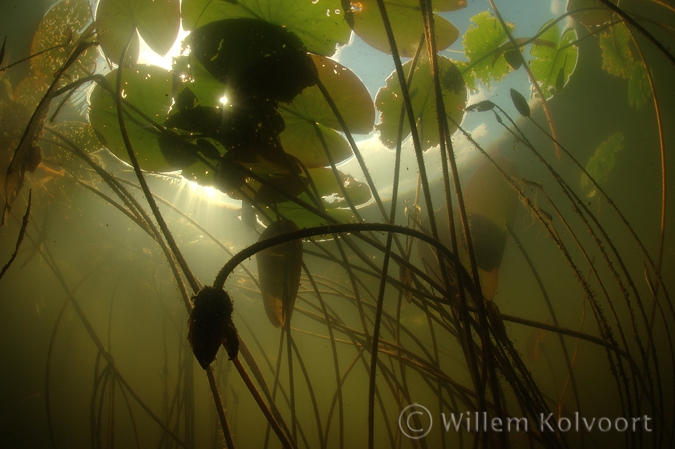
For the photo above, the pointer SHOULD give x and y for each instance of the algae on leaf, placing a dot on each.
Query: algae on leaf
(61, 27)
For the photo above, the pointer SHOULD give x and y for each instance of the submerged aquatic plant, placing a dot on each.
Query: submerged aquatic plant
(513, 227)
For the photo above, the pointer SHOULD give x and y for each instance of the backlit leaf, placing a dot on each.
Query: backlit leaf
(148, 88)
(246, 54)
(157, 21)
(320, 25)
(617, 57)
(552, 65)
(406, 21)
(300, 139)
(389, 101)
(588, 16)
(347, 91)
(481, 41)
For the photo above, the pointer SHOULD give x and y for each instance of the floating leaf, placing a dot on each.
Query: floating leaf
(520, 103)
(639, 90)
(157, 21)
(208, 90)
(150, 90)
(352, 99)
(320, 25)
(63, 18)
(617, 57)
(481, 41)
(301, 140)
(406, 21)
(588, 16)
(245, 54)
(389, 101)
(347, 91)
(602, 162)
(330, 192)
(279, 272)
(210, 325)
(552, 65)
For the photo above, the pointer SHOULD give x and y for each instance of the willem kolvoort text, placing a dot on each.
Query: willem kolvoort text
(481, 422)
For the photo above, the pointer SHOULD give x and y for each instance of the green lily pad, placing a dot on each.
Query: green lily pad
(62, 25)
(300, 139)
(389, 102)
(330, 191)
(587, 16)
(617, 57)
(347, 91)
(320, 25)
(148, 88)
(602, 162)
(157, 21)
(554, 58)
(406, 21)
(481, 42)
(208, 90)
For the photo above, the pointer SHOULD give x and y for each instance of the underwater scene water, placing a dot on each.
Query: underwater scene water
(332, 224)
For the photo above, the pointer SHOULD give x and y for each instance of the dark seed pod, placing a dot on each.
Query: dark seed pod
(210, 325)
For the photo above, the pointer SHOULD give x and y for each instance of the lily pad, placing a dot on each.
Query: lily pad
(208, 90)
(347, 91)
(552, 65)
(254, 58)
(389, 101)
(406, 21)
(591, 13)
(617, 57)
(62, 25)
(301, 140)
(157, 21)
(330, 191)
(148, 88)
(481, 42)
(602, 162)
(320, 25)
